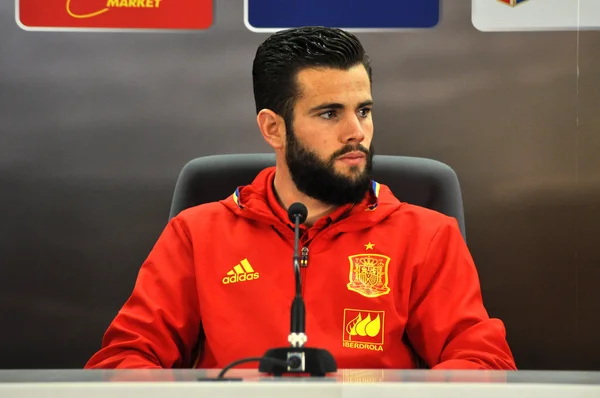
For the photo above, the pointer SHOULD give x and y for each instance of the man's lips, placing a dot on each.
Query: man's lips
(352, 155)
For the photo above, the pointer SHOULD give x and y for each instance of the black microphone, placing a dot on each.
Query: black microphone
(298, 358)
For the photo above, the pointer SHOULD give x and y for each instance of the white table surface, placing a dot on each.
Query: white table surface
(345, 383)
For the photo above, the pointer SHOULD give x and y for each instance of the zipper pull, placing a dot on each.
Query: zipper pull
(304, 259)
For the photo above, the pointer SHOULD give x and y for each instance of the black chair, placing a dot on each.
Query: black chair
(419, 181)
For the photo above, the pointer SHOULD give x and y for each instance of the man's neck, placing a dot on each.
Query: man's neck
(287, 193)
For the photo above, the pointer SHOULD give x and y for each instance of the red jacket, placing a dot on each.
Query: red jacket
(383, 281)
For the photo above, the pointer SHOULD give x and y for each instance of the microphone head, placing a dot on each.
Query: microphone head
(297, 209)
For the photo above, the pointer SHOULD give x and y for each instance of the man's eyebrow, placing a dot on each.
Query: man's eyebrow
(337, 105)
(330, 105)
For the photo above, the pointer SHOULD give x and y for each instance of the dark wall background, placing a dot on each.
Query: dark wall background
(95, 127)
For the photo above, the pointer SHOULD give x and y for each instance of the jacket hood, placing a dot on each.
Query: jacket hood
(252, 202)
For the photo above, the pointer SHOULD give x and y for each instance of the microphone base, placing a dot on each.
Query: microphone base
(314, 361)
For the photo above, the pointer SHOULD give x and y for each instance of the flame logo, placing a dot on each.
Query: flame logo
(363, 327)
(81, 16)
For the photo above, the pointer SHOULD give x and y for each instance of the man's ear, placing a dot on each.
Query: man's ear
(272, 128)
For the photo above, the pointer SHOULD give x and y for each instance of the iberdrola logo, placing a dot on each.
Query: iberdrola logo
(114, 14)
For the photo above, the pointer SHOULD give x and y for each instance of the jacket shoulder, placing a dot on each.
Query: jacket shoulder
(423, 219)
(204, 214)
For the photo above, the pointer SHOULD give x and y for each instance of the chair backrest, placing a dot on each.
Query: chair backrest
(419, 181)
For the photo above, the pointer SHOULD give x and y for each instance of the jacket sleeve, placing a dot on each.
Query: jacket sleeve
(159, 325)
(448, 325)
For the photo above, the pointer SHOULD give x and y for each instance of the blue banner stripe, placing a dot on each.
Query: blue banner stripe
(359, 14)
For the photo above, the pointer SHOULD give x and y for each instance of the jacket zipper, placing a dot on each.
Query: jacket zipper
(304, 258)
(303, 265)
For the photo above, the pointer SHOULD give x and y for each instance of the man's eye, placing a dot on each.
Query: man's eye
(327, 115)
(364, 112)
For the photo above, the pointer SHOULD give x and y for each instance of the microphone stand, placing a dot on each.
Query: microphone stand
(299, 359)
(297, 336)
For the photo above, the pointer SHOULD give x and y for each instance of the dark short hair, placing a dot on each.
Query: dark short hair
(279, 59)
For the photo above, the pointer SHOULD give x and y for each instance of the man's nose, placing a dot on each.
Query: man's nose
(353, 130)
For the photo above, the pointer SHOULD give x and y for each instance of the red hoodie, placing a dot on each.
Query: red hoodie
(382, 280)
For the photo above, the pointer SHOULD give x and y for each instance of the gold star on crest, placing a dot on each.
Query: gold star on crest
(369, 246)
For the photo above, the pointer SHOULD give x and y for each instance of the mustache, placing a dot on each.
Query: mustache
(349, 148)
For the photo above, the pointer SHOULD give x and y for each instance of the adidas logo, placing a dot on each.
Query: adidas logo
(240, 273)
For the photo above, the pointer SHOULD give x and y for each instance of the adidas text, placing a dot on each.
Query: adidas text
(240, 278)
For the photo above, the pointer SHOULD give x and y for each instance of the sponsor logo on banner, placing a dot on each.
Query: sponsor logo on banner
(369, 274)
(535, 15)
(114, 14)
(363, 330)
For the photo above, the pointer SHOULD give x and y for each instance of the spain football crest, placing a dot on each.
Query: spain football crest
(369, 274)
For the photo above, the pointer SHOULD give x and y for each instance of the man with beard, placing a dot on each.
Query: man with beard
(385, 283)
